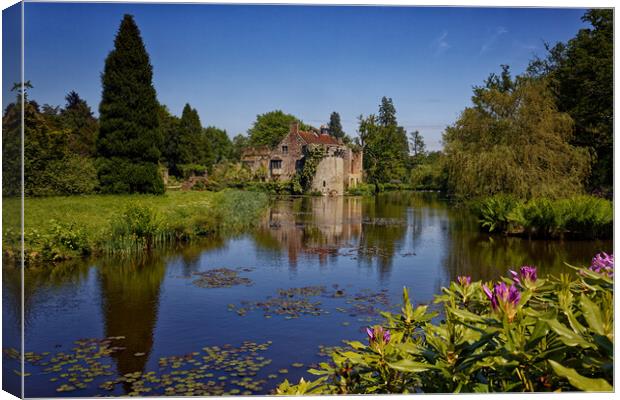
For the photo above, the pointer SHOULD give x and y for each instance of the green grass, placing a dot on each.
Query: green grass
(58, 228)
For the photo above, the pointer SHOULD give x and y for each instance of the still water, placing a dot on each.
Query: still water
(360, 251)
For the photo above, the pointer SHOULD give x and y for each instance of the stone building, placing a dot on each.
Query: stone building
(339, 170)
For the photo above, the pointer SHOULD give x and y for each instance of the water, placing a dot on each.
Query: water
(356, 246)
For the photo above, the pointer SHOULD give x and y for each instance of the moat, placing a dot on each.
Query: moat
(238, 315)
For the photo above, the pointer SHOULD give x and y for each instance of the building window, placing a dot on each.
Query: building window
(304, 149)
(284, 149)
(276, 164)
(323, 183)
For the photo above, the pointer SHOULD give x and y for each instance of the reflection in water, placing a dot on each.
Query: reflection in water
(377, 243)
(130, 300)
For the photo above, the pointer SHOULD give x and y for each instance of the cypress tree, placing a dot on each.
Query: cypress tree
(130, 138)
(335, 127)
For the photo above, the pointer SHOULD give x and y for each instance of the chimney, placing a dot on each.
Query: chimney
(324, 130)
(295, 127)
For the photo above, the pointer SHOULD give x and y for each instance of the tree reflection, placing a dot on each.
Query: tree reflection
(130, 300)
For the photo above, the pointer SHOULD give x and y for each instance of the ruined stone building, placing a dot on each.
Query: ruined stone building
(339, 170)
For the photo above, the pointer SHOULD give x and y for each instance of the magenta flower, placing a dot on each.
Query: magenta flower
(603, 263)
(464, 280)
(377, 334)
(526, 275)
(504, 298)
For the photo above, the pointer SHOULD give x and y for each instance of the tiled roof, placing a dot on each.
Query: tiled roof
(313, 138)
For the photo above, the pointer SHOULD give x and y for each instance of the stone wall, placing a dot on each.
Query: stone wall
(329, 176)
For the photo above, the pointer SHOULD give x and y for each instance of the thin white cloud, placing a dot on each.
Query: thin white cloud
(440, 44)
(492, 39)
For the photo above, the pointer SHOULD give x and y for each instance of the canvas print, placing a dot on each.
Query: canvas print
(219, 199)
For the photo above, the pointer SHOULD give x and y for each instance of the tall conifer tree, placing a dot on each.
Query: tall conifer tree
(335, 127)
(130, 139)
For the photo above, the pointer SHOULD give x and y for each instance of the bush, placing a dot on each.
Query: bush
(118, 175)
(495, 213)
(524, 334)
(69, 176)
(138, 225)
(362, 189)
(576, 217)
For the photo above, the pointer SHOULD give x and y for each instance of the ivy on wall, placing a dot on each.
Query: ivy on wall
(302, 181)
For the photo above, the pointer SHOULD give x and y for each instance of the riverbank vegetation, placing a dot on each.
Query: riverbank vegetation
(522, 334)
(579, 216)
(58, 228)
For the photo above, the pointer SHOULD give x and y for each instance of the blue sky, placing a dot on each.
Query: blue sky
(234, 62)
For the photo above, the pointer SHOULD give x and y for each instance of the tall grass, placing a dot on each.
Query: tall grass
(59, 228)
(583, 217)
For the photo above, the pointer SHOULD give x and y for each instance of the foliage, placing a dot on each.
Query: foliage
(417, 144)
(228, 174)
(66, 227)
(495, 214)
(71, 175)
(513, 140)
(139, 225)
(78, 119)
(428, 172)
(130, 137)
(221, 146)
(335, 127)
(524, 334)
(239, 143)
(575, 217)
(302, 181)
(385, 145)
(119, 175)
(270, 128)
(362, 189)
(581, 76)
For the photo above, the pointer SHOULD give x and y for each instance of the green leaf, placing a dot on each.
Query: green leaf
(581, 382)
(409, 366)
(466, 315)
(592, 314)
(356, 345)
(568, 337)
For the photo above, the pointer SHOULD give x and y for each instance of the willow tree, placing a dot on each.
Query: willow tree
(130, 137)
(514, 140)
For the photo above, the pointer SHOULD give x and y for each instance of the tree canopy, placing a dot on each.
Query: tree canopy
(270, 128)
(580, 74)
(130, 137)
(335, 127)
(513, 140)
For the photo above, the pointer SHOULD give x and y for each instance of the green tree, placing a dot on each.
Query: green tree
(193, 146)
(170, 126)
(417, 145)
(387, 112)
(581, 76)
(78, 119)
(335, 127)
(513, 140)
(130, 139)
(270, 128)
(239, 143)
(220, 143)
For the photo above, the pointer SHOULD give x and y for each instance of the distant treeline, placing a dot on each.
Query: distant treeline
(545, 133)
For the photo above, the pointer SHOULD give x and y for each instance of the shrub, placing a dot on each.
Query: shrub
(118, 175)
(523, 334)
(362, 189)
(139, 226)
(71, 175)
(577, 217)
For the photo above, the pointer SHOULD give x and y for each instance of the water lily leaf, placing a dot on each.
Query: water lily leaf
(581, 382)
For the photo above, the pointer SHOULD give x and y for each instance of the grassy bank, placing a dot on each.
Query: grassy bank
(58, 228)
(578, 217)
